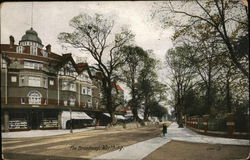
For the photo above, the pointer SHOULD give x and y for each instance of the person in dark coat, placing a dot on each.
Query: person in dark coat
(164, 129)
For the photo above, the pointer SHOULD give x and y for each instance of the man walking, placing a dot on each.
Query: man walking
(164, 129)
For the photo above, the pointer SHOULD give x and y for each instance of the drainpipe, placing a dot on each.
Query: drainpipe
(79, 92)
(58, 88)
(47, 103)
(6, 87)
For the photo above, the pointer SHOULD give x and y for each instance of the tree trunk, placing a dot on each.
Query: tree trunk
(146, 113)
(228, 93)
(109, 104)
(146, 109)
(209, 83)
(135, 113)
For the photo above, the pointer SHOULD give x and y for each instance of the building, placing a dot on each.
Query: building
(40, 88)
(118, 95)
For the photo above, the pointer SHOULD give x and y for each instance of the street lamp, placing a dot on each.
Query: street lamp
(71, 129)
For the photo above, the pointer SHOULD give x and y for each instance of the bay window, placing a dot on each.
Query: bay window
(34, 81)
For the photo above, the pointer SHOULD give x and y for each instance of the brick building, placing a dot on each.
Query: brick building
(39, 87)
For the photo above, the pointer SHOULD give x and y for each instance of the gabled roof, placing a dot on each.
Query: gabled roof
(82, 67)
(65, 58)
(119, 87)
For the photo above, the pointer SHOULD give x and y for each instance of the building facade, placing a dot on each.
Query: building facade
(39, 86)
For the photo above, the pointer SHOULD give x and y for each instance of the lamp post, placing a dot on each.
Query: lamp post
(71, 129)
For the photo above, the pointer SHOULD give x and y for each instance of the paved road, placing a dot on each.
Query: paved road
(81, 145)
(43, 133)
(140, 150)
(102, 144)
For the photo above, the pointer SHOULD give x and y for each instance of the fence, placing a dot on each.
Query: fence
(231, 126)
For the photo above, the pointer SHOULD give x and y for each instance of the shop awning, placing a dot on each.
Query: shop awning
(120, 117)
(116, 116)
(75, 115)
(140, 116)
(107, 114)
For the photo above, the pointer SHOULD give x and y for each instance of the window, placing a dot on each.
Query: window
(64, 85)
(89, 91)
(13, 79)
(68, 70)
(72, 101)
(34, 81)
(72, 87)
(51, 82)
(21, 81)
(33, 50)
(65, 103)
(34, 97)
(33, 65)
(19, 49)
(22, 101)
(4, 64)
(68, 86)
(84, 90)
(45, 82)
(90, 102)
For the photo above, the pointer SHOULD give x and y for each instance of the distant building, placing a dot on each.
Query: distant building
(39, 86)
(118, 97)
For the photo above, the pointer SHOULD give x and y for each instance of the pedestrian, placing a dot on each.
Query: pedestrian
(164, 129)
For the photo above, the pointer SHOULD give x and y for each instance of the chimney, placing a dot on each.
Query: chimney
(12, 41)
(48, 48)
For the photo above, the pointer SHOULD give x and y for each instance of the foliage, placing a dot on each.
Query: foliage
(225, 21)
(211, 45)
(157, 110)
(94, 35)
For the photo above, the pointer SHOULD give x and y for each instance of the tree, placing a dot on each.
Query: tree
(228, 20)
(182, 76)
(135, 59)
(152, 91)
(94, 35)
(157, 110)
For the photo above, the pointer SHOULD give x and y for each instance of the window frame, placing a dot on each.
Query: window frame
(36, 98)
(13, 79)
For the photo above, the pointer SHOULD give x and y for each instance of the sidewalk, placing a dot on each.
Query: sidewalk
(41, 133)
(140, 150)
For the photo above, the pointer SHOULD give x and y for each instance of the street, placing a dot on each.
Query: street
(141, 143)
(63, 146)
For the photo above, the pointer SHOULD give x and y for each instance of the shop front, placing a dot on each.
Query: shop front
(30, 119)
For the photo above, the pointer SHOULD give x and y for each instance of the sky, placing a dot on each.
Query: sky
(51, 18)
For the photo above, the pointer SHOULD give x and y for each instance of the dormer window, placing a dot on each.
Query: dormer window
(68, 70)
(19, 49)
(33, 50)
(45, 54)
